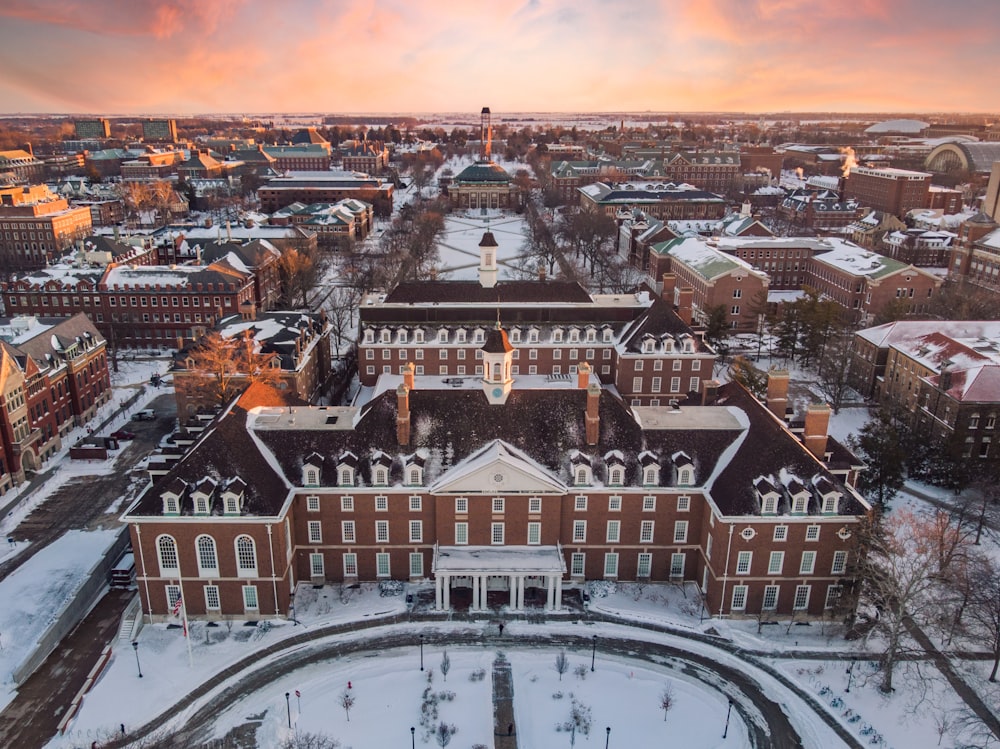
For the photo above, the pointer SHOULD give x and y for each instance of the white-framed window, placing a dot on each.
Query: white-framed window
(808, 563)
(461, 534)
(496, 533)
(614, 531)
(780, 532)
(246, 557)
(812, 533)
(677, 564)
(382, 564)
(534, 505)
(800, 504)
(801, 601)
(611, 564)
(644, 566)
(770, 601)
(694, 384)
(577, 563)
(649, 503)
(250, 602)
(580, 531)
(350, 564)
(680, 531)
(677, 365)
(461, 505)
(208, 558)
(212, 600)
(616, 476)
(416, 564)
(347, 504)
(347, 531)
(683, 504)
(534, 533)
(832, 596)
(650, 475)
(414, 475)
(498, 505)
(614, 503)
(775, 562)
(675, 384)
(381, 503)
(166, 552)
(646, 532)
(381, 476)
(315, 532)
(416, 503)
(580, 504)
(346, 476)
(839, 565)
(739, 598)
(173, 593)
(416, 531)
(743, 561)
(684, 476)
(637, 384)
(656, 384)
(382, 531)
(317, 567)
(312, 504)
(769, 504)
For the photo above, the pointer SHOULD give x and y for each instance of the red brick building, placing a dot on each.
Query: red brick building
(662, 200)
(894, 191)
(325, 187)
(36, 226)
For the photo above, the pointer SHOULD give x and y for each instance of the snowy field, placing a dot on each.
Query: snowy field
(458, 246)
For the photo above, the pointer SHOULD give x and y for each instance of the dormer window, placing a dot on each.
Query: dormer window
(369, 336)
(345, 476)
(479, 336)
(831, 503)
(443, 336)
(574, 335)
(418, 336)
(231, 503)
(311, 476)
(608, 332)
(650, 475)
(533, 335)
(200, 504)
(402, 336)
(668, 345)
(582, 476)
(616, 476)
(380, 477)
(557, 335)
(688, 346)
(171, 505)
(684, 477)
(460, 335)
(800, 503)
(515, 335)
(769, 504)
(591, 335)
(648, 346)
(386, 335)
(414, 475)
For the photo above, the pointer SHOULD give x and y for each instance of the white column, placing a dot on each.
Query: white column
(513, 591)
(475, 592)
(559, 593)
(520, 593)
(437, 592)
(550, 592)
(446, 586)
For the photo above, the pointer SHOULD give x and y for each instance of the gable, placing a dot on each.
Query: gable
(498, 468)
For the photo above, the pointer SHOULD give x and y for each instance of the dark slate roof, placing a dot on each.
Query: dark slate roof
(483, 171)
(253, 254)
(98, 243)
(472, 292)
(657, 320)
(497, 342)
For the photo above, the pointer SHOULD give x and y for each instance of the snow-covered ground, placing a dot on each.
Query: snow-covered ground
(458, 246)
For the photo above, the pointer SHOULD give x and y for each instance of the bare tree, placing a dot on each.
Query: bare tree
(667, 701)
(443, 734)
(833, 368)
(984, 604)
(346, 701)
(562, 664)
(340, 305)
(300, 269)
(218, 369)
(309, 741)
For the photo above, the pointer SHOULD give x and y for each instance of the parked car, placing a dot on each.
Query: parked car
(146, 414)
(122, 434)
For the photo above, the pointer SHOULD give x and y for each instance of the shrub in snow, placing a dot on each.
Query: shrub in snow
(389, 588)
(601, 588)
(478, 675)
(580, 672)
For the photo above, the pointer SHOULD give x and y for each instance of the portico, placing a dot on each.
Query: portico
(492, 568)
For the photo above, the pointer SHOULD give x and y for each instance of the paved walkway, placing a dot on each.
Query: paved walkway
(504, 736)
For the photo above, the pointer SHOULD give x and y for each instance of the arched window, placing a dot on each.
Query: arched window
(616, 476)
(346, 476)
(166, 552)
(312, 477)
(246, 557)
(381, 477)
(684, 476)
(208, 559)
(414, 473)
(581, 475)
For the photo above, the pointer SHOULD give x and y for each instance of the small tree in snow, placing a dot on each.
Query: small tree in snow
(443, 734)
(562, 664)
(347, 702)
(445, 665)
(666, 701)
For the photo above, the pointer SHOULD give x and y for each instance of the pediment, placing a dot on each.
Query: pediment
(496, 469)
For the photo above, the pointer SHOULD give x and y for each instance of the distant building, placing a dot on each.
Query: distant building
(20, 165)
(656, 199)
(368, 156)
(96, 128)
(894, 191)
(159, 130)
(920, 247)
(300, 158)
(335, 224)
(325, 187)
(969, 156)
(37, 225)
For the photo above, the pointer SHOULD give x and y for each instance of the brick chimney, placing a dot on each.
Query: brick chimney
(408, 376)
(403, 415)
(709, 392)
(583, 375)
(593, 417)
(669, 282)
(541, 271)
(815, 434)
(685, 304)
(777, 392)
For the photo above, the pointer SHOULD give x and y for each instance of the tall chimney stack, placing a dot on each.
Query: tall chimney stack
(403, 415)
(583, 375)
(593, 417)
(409, 376)
(777, 392)
(817, 424)
(685, 304)
(669, 282)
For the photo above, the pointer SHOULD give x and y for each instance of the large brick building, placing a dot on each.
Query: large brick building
(894, 191)
(53, 377)
(656, 199)
(504, 491)
(325, 187)
(36, 225)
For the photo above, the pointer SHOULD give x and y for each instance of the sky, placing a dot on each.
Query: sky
(389, 56)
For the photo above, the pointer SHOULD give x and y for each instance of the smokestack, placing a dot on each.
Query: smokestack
(403, 415)
(817, 424)
(685, 304)
(409, 372)
(583, 375)
(777, 392)
(593, 417)
(669, 282)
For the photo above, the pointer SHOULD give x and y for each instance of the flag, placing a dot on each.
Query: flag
(177, 605)
(298, 693)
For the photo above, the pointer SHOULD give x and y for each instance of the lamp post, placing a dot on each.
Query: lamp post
(593, 652)
(413, 741)
(135, 647)
(291, 607)
(421, 652)
(288, 706)
(607, 736)
(729, 710)
(850, 673)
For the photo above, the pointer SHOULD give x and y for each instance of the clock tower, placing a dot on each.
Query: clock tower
(497, 357)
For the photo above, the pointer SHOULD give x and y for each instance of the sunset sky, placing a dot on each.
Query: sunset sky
(374, 56)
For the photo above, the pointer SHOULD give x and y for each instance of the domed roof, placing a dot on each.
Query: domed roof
(483, 171)
(909, 127)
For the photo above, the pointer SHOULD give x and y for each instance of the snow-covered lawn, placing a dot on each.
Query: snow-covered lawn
(458, 245)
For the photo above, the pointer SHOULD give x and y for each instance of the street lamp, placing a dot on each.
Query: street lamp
(135, 647)
(850, 673)
(413, 741)
(607, 736)
(728, 711)
(421, 652)
(288, 706)
(593, 652)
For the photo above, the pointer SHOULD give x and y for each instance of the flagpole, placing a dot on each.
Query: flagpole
(187, 633)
